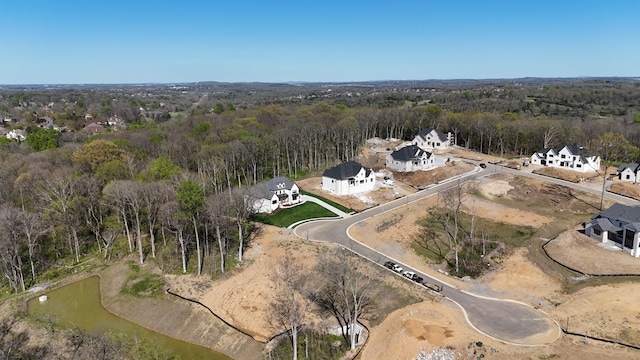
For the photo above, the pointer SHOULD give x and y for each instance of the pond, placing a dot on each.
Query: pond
(78, 305)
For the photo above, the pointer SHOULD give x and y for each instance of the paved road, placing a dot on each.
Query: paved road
(506, 320)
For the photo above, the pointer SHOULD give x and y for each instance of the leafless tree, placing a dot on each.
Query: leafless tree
(289, 308)
(551, 133)
(10, 243)
(610, 147)
(448, 217)
(345, 289)
(59, 200)
(176, 221)
(240, 209)
(31, 227)
(152, 195)
(217, 210)
(127, 194)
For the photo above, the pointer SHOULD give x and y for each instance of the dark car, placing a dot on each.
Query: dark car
(483, 165)
(417, 279)
(389, 265)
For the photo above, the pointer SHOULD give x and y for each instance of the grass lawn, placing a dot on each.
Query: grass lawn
(286, 217)
(332, 203)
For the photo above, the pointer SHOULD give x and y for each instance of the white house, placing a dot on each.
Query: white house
(348, 178)
(629, 172)
(619, 224)
(570, 157)
(275, 193)
(432, 139)
(410, 158)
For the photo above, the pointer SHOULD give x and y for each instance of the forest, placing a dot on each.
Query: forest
(170, 186)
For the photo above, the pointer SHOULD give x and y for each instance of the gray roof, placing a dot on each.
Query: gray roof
(631, 166)
(605, 225)
(624, 213)
(409, 152)
(424, 132)
(266, 190)
(345, 171)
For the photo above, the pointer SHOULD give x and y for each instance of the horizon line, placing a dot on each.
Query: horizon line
(294, 82)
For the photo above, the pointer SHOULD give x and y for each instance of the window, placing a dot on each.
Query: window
(563, 156)
(597, 231)
(274, 202)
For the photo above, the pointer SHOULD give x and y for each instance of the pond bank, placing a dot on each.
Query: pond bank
(164, 314)
(174, 318)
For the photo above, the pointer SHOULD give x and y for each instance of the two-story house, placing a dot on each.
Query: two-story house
(432, 139)
(410, 158)
(348, 178)
(569, 157)
(277, 192)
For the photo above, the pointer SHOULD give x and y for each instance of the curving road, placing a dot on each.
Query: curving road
(505, 320)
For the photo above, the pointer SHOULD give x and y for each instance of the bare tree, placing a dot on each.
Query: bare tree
(551, 133)
(153, 194)
(126, 195)
(31, 228)
(345, 290)
(216, 210)
(448, 217)
(176, 221)
(289, 308)
(14, 341)
(116, 196)
(10, 243)
(610, 147)
(240, 209)
(59, 196)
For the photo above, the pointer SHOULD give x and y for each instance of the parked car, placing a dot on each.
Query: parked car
(397, 268)
(417, 279)
(483, 165)
(389, 265)
(388, 182)
(409, 274)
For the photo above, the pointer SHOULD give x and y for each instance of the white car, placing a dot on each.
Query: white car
(388, 181)
(397, 268)
(409, 274)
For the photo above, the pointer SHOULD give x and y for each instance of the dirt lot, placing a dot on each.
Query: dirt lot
(631, 190)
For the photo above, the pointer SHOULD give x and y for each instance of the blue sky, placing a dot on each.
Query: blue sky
(134, 41)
